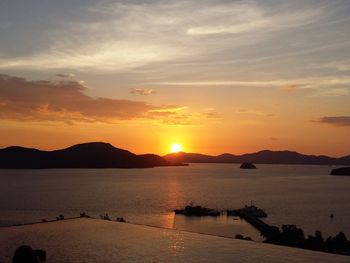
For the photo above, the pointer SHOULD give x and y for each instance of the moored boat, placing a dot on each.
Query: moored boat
(198, 210)
(251, 210)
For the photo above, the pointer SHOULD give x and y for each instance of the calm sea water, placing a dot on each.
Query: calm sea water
(90, 241)
(290, 194)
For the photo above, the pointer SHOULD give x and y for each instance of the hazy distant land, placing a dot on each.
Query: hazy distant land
(261, 157)
(104, 155)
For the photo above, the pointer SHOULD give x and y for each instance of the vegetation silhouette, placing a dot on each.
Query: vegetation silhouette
(291, 235)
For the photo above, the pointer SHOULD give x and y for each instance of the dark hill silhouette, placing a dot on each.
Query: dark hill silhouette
(345, 159)
(104, 155)
(190, 157)
(87, 155)
(261, 157)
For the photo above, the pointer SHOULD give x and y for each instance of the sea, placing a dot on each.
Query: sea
(303, 195)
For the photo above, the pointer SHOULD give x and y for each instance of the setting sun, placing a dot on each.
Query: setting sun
(175, 148)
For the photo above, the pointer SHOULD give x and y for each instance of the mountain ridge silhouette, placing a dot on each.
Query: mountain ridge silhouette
(105, 155)
(260, 157)
(85, 155)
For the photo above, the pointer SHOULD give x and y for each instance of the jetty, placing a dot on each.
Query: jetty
(252, 215)
(268, 231)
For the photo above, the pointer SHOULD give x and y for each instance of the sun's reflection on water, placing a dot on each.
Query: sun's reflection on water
(176, 244)
(174, 200)
(168, 220)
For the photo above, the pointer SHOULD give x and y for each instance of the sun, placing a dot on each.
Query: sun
(175, 148)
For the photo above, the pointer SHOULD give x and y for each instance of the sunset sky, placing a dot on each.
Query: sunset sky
(212, 76)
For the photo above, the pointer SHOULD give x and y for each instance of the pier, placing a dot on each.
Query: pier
(252, 215)
(266, 230)
(256, 222)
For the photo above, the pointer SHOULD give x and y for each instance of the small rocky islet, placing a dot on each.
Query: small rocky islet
(247, 166)
(343, 171)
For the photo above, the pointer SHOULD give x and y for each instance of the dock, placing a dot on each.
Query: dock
(266, 230)
(252, 215)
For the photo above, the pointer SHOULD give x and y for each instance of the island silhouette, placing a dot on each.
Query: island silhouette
(343, 171)
(86, 155)
(105, 155)
(261, 157)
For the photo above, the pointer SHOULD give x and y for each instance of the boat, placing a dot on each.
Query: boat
(198, 210)
(251, 210)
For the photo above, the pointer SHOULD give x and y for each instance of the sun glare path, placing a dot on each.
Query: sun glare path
(176, 148)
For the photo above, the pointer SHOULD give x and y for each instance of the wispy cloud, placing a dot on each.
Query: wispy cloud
(341, 65)
(290, 88)
(254, 112)
(181, 116)
(248, 16)
(142, 91)
(172, 31)
(114, 55)
(313, 82)
(211, 113)
(190, 119)
(339, 121)
(333, 92)
(65, 75)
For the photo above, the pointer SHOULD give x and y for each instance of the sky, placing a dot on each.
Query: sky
(214, 76)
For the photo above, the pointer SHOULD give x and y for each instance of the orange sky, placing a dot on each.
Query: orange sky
(215, 77)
